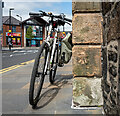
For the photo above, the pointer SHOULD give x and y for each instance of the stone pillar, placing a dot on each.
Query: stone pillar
(86, 54)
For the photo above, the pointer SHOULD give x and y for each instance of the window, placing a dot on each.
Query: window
(41, 34)
(41, 31)
(41, 28)
(13, 28)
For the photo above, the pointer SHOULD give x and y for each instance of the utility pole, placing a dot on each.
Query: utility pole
(21, 27)
(10, 17)
(10, 29)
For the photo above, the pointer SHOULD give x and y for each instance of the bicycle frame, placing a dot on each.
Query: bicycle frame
(50, 56)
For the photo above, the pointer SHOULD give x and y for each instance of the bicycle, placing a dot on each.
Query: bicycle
(48, 56)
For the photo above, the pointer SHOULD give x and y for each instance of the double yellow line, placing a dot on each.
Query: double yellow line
(15, 66)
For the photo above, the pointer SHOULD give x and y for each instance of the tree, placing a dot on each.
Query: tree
(29, 34)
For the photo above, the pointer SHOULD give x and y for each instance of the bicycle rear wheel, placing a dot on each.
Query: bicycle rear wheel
(37, 77)
(54, 64)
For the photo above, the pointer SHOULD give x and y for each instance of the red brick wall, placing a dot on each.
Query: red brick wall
(6, 29)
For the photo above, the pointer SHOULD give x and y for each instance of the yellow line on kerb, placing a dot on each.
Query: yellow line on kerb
(15, 66)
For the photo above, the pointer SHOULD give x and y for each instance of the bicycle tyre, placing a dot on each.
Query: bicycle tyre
(54, 64)
(35, 74)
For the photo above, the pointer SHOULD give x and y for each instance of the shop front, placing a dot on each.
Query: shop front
(16, 38)
(35, 42)
(35, 37)
(37, 33)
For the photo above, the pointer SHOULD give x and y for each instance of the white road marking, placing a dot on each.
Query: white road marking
(30, 51)
(16, 53)
(19, 51)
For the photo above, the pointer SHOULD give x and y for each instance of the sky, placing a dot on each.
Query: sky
(23, 8)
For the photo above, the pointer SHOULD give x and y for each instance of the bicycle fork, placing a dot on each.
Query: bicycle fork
(53, 50)
(49, 59)
(46, 64)
(48, 55)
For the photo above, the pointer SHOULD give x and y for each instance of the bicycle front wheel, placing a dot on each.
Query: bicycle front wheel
(37, 77)
(53, 70)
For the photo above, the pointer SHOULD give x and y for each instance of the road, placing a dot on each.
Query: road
(10, 58)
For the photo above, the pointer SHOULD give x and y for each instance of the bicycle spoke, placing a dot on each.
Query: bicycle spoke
(37, 77)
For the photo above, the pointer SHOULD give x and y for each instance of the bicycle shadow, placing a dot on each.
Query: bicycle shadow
(50, 94)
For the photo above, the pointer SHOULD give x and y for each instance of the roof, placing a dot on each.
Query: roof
(34, 21)
(14, 21)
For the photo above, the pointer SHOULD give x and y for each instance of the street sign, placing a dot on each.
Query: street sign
(17, 34)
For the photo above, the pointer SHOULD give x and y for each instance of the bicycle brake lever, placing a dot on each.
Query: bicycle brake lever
(43, 13)
(62, 15)
(40, 11)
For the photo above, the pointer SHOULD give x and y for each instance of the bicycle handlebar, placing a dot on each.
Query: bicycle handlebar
(69, 20)
(59, 16)
(31, 13)
(49, 15)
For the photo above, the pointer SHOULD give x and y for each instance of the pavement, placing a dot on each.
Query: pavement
(55, 99)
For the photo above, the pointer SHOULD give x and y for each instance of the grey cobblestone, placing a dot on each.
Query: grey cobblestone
(111, 62)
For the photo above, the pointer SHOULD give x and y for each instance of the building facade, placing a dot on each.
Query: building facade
(19, 30)
(39, 31)
(15, 32)
(38, 35)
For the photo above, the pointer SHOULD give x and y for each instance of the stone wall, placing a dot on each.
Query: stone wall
(86, 54)
(111, 57)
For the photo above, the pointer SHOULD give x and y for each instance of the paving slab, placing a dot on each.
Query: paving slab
(55, 99)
